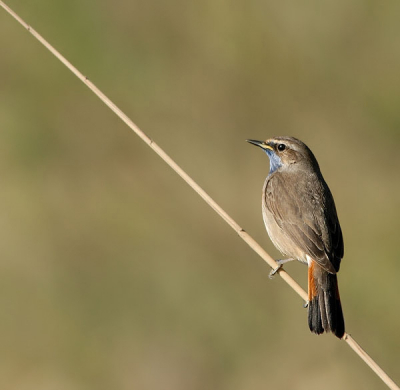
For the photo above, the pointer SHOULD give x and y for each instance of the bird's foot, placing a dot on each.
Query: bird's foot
(277, 269)
(305, 305)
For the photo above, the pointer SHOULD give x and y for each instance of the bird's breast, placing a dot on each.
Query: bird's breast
(276, 233)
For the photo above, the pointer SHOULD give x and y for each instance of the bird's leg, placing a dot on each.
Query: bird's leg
(280, 263)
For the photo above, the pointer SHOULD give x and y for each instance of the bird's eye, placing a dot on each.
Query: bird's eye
(281, 147)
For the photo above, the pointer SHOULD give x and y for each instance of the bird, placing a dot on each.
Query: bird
(300, 217)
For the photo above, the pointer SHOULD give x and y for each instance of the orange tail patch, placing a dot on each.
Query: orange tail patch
(312, 284)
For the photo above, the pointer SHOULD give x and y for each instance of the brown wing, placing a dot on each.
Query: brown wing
(306, 213)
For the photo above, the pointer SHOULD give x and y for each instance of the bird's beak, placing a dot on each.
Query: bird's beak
(261, 144)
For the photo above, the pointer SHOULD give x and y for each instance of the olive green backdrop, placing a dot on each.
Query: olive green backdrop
(114, 274)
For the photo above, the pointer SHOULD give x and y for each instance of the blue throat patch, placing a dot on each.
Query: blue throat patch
(274, 161)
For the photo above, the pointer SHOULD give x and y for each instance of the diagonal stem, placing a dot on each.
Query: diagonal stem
(207, 198)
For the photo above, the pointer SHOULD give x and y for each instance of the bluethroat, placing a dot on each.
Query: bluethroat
(301, 220)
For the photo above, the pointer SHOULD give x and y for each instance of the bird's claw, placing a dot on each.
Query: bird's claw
(274, 271)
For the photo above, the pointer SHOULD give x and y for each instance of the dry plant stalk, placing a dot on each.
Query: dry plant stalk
(218, 209)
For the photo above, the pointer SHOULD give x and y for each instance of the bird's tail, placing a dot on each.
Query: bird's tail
(324, 307)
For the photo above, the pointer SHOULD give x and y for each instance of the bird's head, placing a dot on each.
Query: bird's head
(286, 153)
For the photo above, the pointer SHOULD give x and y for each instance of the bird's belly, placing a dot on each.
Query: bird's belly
(281, 241)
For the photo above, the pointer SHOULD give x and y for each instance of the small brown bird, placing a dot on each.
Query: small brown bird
(300, 217)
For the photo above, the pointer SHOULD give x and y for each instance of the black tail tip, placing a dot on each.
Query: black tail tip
(333, 322)
(314, 317)
(339, 330)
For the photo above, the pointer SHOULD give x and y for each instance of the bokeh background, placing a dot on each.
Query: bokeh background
(114, 274)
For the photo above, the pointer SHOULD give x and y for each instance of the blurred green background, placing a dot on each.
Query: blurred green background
(114, 273)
